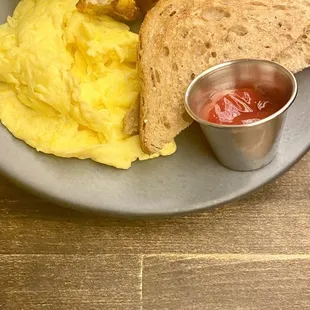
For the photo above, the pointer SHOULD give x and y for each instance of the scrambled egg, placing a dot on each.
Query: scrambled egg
(67, 81)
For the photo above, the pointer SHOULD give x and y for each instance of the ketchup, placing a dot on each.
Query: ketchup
(239, 106)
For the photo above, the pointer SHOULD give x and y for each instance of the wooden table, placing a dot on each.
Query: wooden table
(252, 254)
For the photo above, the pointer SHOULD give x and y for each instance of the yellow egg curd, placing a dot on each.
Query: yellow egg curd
(67, 81)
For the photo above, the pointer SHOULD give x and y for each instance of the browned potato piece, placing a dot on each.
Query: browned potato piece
(146, 5)
(120, 9)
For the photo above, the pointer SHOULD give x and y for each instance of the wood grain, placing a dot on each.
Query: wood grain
(226, 282)
(252, 254)
(274, 220)
(70, 282)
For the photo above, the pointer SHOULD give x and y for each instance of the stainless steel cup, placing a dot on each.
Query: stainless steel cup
(251, 146)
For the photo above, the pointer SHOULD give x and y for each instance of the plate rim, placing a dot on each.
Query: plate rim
(128, 214)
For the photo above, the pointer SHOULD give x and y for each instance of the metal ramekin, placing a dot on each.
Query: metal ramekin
(250, 146)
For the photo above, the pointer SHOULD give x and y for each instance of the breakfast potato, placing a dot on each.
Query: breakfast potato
(128, 10)
(120, 9)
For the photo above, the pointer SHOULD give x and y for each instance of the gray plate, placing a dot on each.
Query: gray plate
(190, 180)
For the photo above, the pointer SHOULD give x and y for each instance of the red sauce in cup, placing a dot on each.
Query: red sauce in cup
(239, 107)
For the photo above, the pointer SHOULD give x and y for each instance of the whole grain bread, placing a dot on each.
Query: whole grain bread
(181, 38)
(296, 57)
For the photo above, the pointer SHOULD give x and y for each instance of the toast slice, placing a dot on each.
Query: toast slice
(296, 57)
(181, 38)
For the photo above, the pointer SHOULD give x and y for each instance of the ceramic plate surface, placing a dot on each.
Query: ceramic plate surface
(190, 180)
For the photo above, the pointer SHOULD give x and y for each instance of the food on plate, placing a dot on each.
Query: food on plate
(179, 39)
(67, 81)
(129, 10)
